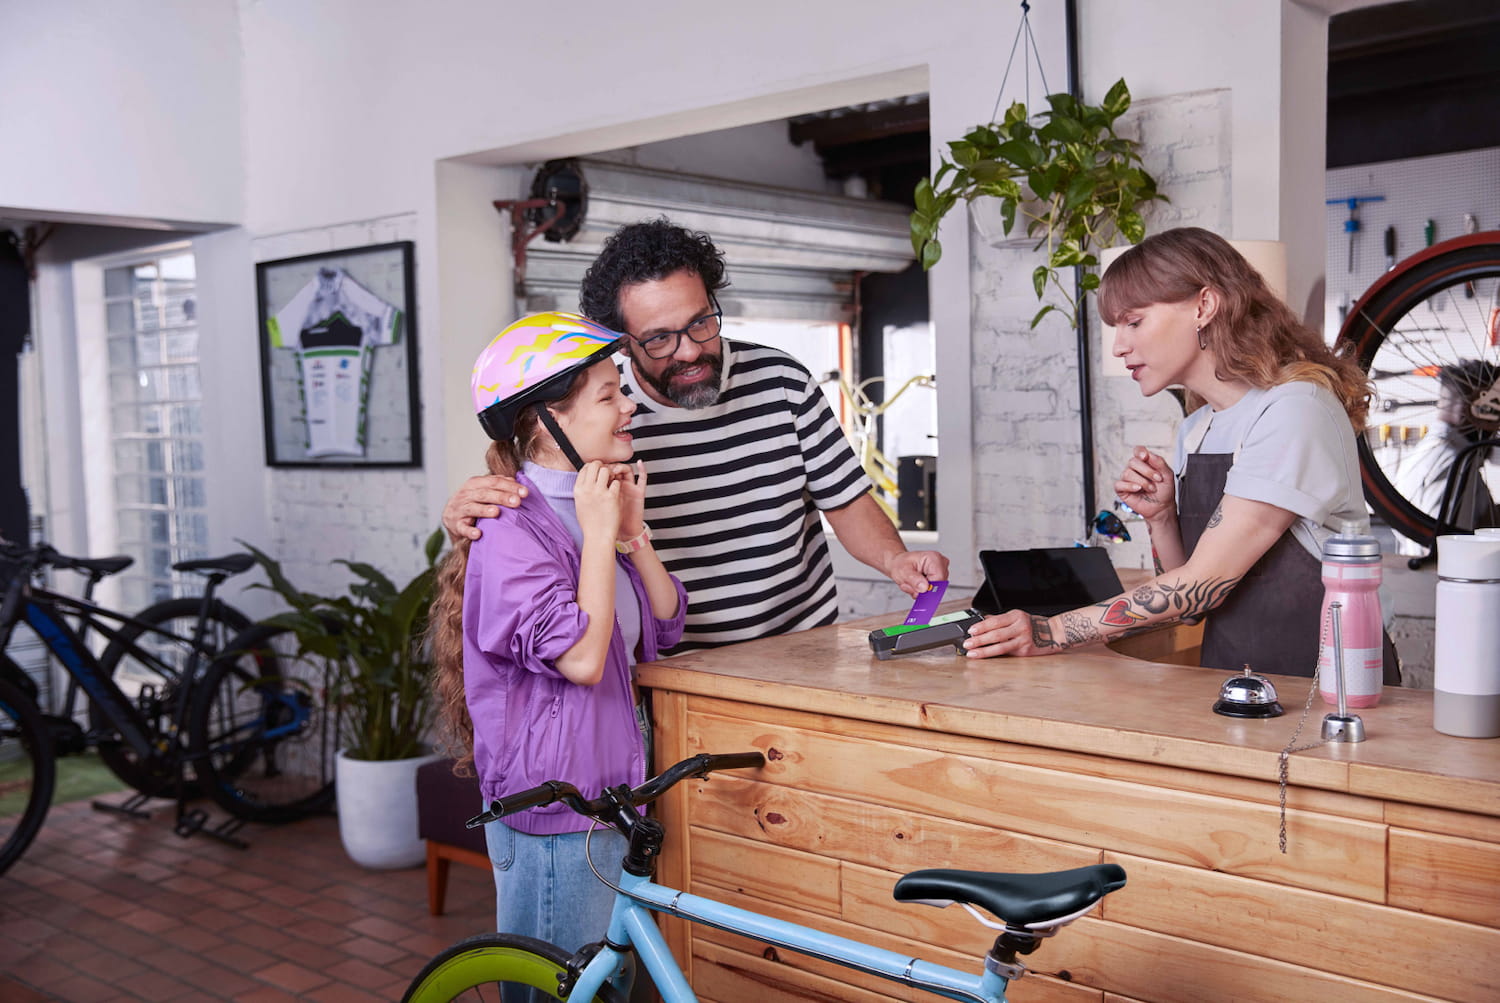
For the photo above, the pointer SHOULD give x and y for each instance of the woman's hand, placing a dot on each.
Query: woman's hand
(1014, 632)
(632, 481)
(1147, 486)
(597, 496)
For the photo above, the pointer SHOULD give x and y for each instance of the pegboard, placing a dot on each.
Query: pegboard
(1440, 188)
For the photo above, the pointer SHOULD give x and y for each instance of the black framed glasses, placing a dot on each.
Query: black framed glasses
(664, 343)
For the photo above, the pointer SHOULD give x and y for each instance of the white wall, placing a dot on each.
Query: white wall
(1272, 57)
(359, 110)
(125, 109)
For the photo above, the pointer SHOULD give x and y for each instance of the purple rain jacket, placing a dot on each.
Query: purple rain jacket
(531, 725)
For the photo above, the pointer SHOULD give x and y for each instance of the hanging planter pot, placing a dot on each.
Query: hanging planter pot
(377, 801)
(989, 219)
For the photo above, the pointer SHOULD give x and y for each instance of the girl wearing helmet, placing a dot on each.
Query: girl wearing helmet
(537, 625)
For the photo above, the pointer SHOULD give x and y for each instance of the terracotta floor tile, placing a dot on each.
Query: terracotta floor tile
(291, 977)
(104, 909)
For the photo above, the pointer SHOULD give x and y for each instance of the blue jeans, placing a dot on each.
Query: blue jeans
(544, 888)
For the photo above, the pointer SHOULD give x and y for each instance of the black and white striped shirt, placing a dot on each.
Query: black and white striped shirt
(733, 496)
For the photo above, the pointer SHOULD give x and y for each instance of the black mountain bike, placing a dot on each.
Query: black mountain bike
(176, 708)
(1437, 310)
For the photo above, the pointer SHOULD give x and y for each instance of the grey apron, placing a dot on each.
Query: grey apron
(1270, 621)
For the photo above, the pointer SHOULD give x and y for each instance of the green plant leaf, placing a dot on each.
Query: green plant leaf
(964, 153)
(923, 196)
(1039, 279)
(1015, 114)
(1132, 226)
(1062, 130)
(1023, 154)
(1088, 283)
(1080, 188)
(931, 252)
(1063, 105)
(1117, 100)
(1041, 313)
(1008, 214)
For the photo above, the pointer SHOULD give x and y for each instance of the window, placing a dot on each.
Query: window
(155, 422)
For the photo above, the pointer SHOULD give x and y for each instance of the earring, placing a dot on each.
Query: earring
(1202, 341)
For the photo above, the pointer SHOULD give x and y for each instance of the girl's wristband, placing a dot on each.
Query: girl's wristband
(636, 543)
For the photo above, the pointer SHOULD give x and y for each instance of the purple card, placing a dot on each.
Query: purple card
(926, 604)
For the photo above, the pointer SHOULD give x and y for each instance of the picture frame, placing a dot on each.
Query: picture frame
(338, 351)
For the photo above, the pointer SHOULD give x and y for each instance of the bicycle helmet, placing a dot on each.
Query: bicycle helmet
(533, 362)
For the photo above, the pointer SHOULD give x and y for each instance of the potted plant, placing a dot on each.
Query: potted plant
(370, 641)
(1065, 172)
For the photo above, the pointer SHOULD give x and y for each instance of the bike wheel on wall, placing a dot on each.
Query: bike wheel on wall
(1422, 330)
(164, 631)
(265, 744)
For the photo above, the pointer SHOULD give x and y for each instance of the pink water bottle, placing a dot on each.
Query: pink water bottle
(1351, 577)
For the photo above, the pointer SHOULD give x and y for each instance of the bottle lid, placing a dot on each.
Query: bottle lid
(1470, 558)
(1351, 543)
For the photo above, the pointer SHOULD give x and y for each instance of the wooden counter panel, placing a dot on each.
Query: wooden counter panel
(877, 836)
(1426, 954)
(1264, 790)
(1144, 965)
(767, 872)
(731, 976)
(1484, 828)
(1447, 876)
(1343, 856)
(1032, 987)
(1093, 701)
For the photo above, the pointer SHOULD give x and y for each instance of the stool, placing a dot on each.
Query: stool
(444, 803)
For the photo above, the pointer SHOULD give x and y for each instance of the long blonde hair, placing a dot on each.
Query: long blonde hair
(445, 628)
(1254, 336)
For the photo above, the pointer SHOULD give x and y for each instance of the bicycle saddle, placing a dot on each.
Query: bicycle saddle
(230, 564)
(96, 565)
(1025, 900)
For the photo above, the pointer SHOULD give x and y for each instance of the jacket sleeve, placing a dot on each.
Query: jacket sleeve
(669, 632)
(521, 597)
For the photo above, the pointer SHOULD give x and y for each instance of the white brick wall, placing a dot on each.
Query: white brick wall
(319, 515)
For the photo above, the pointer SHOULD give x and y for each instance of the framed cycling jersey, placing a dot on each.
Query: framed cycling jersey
(338, 358)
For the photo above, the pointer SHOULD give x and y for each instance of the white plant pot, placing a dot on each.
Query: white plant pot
(985, 211)
(377, 804)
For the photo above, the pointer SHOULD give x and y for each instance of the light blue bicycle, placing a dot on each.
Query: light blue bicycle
(496, 965)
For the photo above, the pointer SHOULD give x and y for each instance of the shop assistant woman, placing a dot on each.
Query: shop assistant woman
(1266, 465)
(538, 624)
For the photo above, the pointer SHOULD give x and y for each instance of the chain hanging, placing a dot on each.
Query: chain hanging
(1283, 761)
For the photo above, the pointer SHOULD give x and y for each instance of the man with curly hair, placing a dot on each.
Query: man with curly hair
(743, 449)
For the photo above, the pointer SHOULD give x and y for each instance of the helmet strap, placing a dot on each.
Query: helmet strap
(557, 436)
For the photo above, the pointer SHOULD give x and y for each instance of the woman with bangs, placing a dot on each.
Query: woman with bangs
(1265, 464)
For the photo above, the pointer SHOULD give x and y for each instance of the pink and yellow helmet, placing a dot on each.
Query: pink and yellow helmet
(534, 361)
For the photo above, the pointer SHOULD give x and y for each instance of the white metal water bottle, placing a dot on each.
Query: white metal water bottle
(1351, 577)
(1466, 657)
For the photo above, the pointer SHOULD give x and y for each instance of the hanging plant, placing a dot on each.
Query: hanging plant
(1065, 173)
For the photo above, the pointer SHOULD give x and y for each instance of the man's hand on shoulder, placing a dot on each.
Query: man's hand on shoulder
(479, 498)
(912, 570)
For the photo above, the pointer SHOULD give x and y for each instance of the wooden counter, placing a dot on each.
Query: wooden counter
(1389, 887)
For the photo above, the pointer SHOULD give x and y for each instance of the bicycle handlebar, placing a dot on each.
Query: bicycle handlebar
(603, 807)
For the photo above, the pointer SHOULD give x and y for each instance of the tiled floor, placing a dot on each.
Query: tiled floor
(106, 908)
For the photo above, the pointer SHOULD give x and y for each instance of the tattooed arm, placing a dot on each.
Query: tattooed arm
(1240, 533)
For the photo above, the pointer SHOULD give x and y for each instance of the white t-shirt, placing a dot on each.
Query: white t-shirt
(1296, 450)
(334, 323)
